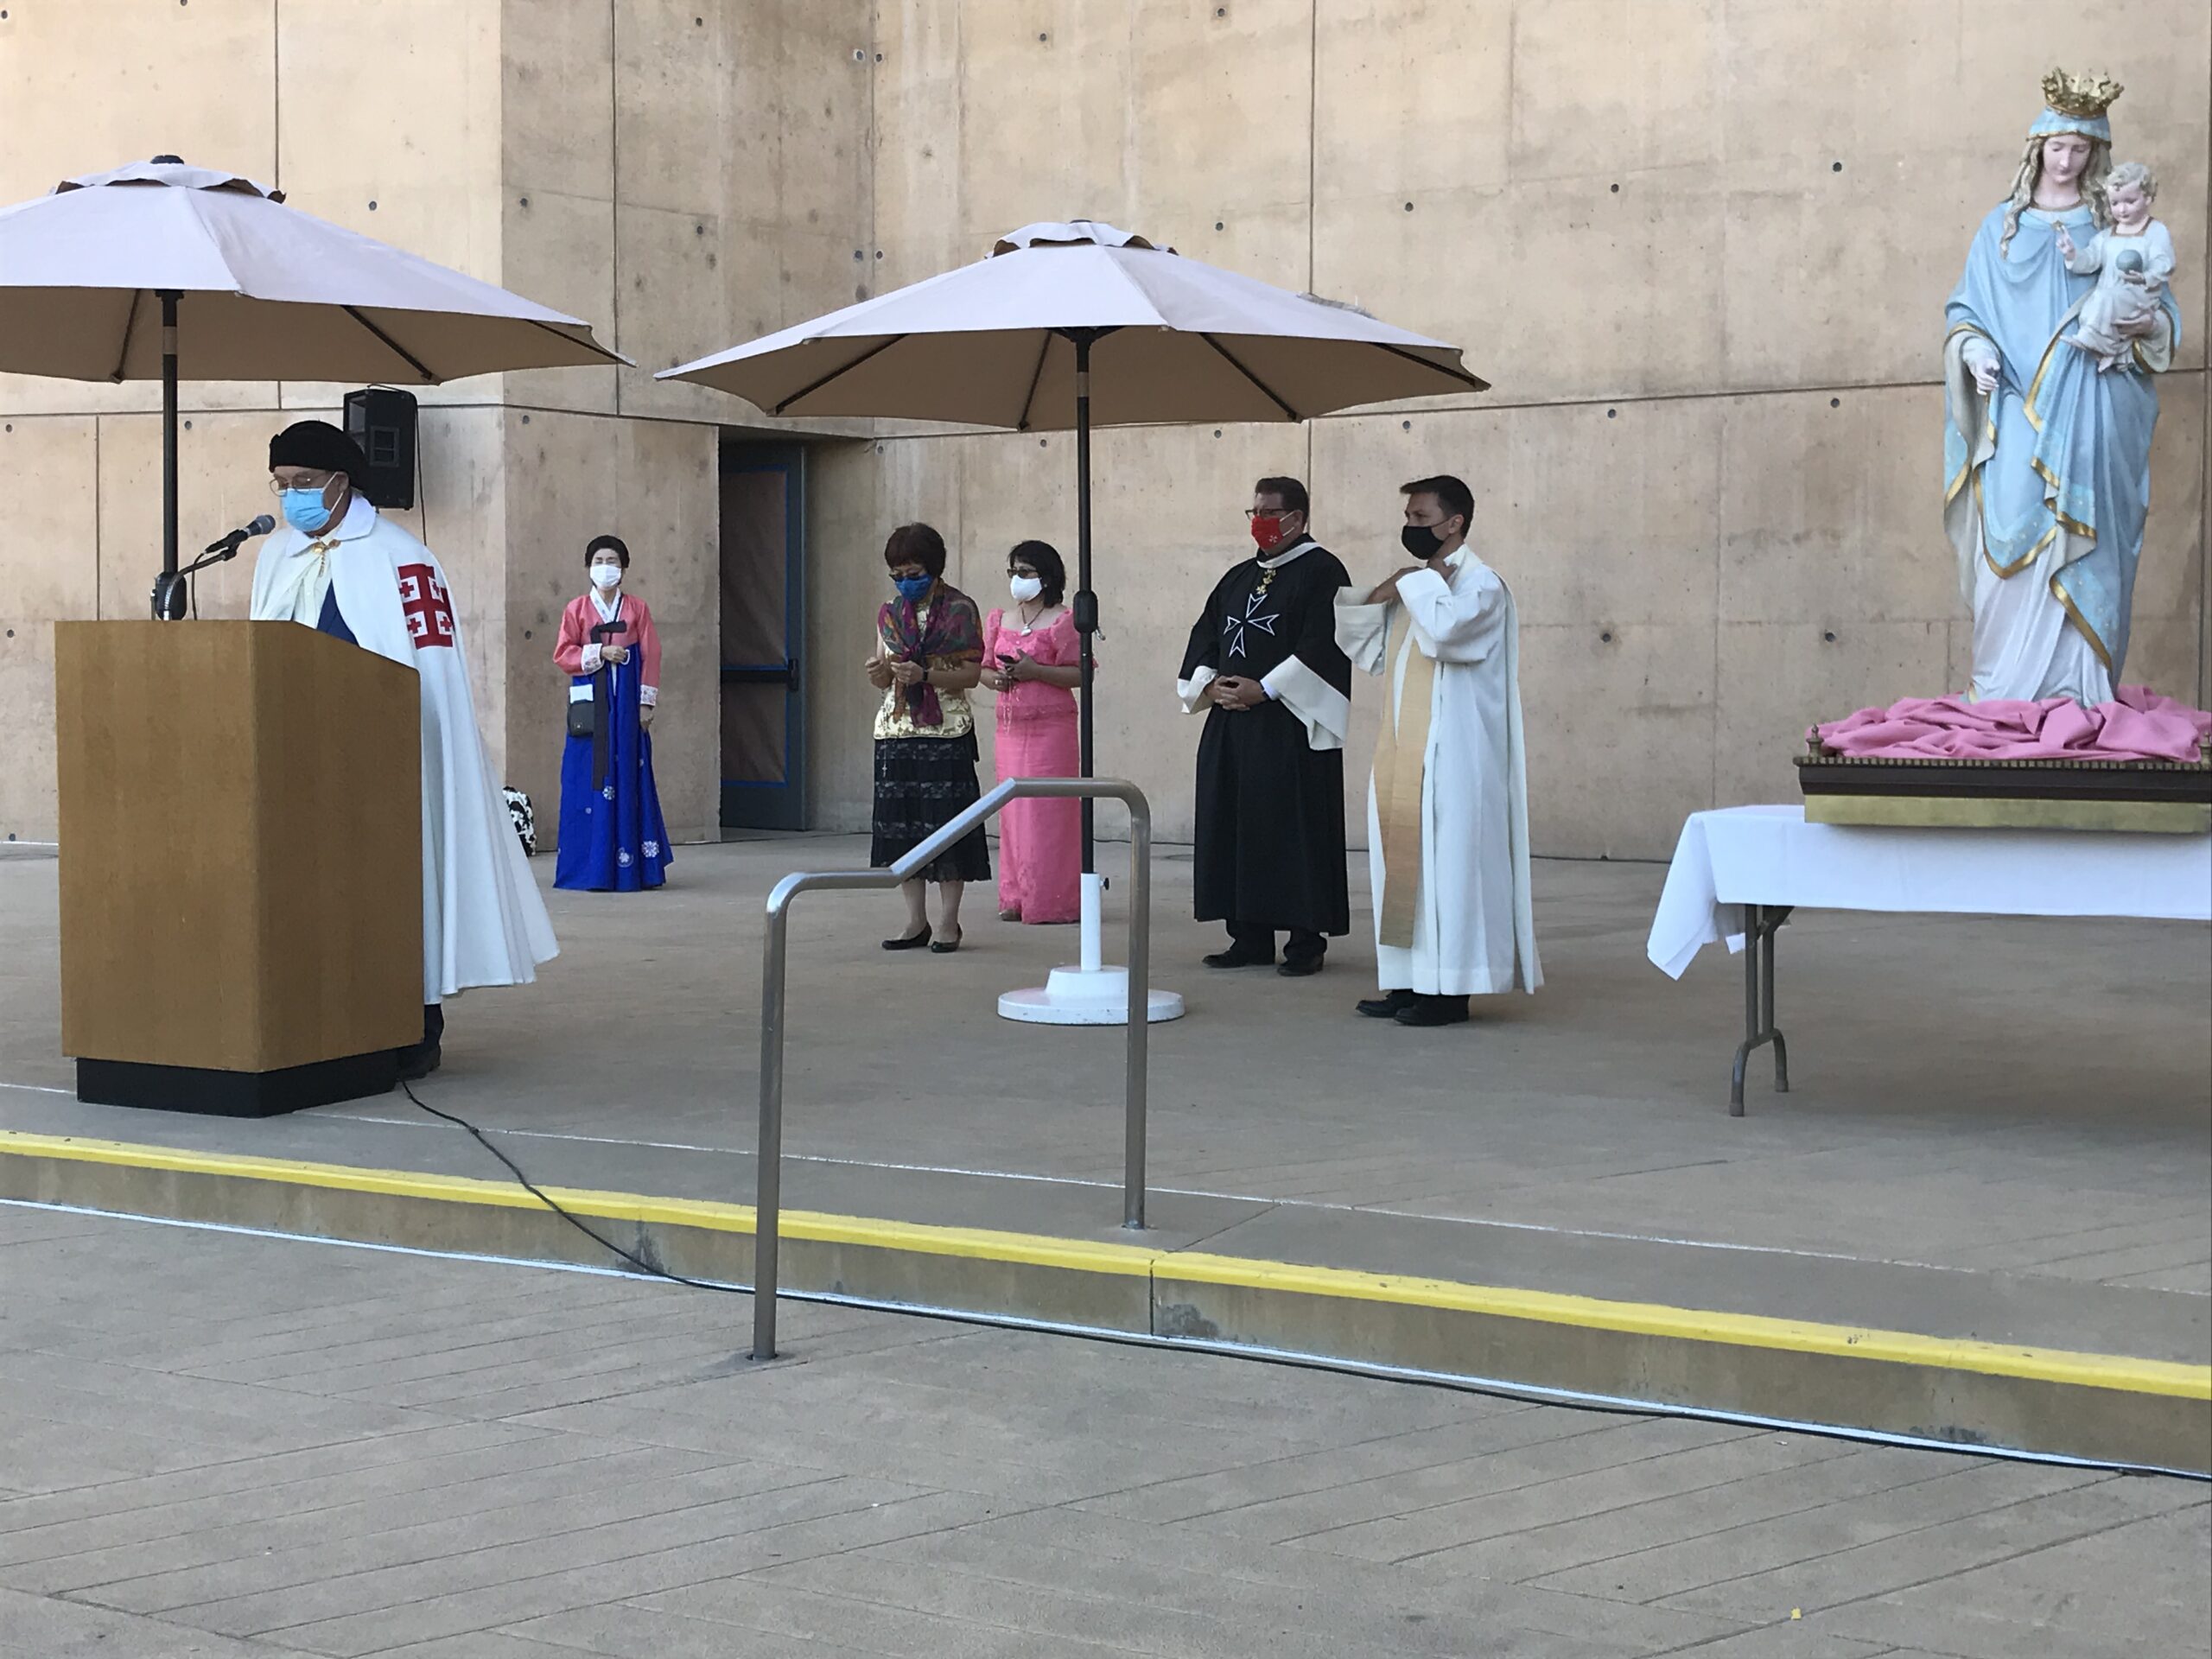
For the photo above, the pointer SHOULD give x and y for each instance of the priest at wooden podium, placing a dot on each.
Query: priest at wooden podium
(339, 567)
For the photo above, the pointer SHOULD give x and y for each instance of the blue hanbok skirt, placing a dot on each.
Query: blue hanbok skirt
(612, 839)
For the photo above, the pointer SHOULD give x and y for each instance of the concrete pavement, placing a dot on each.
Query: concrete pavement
(235, 1447)
(1934, 1171)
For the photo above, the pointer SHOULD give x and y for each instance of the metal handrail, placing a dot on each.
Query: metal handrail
(768, 1199)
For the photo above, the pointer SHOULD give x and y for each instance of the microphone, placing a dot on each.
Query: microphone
(229, 545)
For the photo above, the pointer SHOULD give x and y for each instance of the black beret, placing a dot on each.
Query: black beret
(320, 445)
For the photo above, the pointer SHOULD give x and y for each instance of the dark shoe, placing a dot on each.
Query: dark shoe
(417, 1062)
(914, 942)
(1300, 967)
(1238, 955)
(1435, 1011)
(1388, 1005)
(941, 949)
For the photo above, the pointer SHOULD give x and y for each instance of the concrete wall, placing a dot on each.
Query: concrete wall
(1700, 246)
(678, 175)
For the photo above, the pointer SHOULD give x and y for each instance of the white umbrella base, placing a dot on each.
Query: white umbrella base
(1086, 996)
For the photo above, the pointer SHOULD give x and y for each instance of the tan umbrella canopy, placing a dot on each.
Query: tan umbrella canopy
(1080, 324)
(158, 271)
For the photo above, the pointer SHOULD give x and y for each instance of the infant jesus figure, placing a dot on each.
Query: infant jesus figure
(2133, 261)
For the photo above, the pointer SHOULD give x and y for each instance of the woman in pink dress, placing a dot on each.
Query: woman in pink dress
(1030, 660)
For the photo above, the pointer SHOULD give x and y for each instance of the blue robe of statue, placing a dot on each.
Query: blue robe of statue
(2047, 481)
(612, 836)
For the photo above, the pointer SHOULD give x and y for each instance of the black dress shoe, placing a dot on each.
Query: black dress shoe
(1388, 1005)
(1300, 967)
(912, 942)
(1237, 957)
(1435, 1011)
(941, 948)
(418, 1060)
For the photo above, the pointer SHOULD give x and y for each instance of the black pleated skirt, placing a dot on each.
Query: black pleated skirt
(921, 784)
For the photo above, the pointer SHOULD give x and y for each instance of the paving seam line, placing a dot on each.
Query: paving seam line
(2119, 1373)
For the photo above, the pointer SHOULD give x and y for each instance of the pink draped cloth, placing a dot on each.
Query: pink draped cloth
(1040, 842)
(2138, 725)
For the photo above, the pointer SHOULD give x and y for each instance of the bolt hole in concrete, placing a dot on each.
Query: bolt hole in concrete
(1409, 207)
(1217, 224)
(187, 426)
(1611, 413)
(1607, 638)
(372, 206)
(1404, 426)
(1616, 189)
(1829, 636)
(1835, 167)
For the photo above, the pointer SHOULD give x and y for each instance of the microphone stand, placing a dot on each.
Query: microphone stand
(170, 586)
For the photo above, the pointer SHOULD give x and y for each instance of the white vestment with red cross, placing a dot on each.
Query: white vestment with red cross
(484, 922)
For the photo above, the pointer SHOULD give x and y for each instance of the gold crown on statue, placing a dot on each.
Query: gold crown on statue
(2082, 96)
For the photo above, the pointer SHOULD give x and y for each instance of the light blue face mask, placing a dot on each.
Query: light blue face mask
(304, 510)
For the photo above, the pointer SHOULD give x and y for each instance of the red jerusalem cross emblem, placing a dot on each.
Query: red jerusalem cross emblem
(422, 598)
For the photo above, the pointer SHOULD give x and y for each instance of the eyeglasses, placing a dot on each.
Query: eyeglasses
(277, 485)
(1269, 512)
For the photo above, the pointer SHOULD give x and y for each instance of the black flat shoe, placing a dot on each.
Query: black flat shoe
(1237, 957)
(912, 942)
(1435, 1011)
(1300, 967)
(941, 949)
(1388, 1005)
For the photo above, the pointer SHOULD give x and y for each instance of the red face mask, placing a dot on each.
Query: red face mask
(1266, 527)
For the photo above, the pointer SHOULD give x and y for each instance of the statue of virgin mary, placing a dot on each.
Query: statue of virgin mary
(2046, 461)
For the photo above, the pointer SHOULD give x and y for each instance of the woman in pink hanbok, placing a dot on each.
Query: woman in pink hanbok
(1031, 658)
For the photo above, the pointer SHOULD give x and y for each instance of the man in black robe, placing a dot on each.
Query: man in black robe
(1264, 665)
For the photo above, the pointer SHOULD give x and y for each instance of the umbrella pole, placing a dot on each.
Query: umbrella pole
(1086, 623)
(1086, 603)
(168, 592)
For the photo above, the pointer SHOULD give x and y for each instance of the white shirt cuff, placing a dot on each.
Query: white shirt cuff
(1325, 711)
(1192, 691)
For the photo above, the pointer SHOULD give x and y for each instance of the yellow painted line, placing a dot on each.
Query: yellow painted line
(2128, 1374)
(979, 1243)
(2120, 1373)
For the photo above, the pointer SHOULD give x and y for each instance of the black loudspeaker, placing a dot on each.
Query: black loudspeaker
(383, 423)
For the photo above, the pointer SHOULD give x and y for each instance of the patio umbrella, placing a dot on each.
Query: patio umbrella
(161, 271)
(1082, 325)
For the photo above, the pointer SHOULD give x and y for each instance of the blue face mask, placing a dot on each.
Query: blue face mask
(304, 510)
(914, 590)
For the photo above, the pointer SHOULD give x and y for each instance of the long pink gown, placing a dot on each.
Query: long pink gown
(1040, 842)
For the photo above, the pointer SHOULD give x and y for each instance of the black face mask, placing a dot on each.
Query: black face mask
(1422, 541)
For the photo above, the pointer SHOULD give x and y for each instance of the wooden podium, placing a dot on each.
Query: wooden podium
(241, 865)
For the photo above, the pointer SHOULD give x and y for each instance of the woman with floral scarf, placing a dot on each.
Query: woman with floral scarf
(929, 651)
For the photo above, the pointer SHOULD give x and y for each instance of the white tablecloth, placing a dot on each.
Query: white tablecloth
(1771, 855)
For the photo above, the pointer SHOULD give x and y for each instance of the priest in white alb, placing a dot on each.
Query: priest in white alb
(1448, 806)
(341, 567)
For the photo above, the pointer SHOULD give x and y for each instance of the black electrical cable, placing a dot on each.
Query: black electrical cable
(531, 1187)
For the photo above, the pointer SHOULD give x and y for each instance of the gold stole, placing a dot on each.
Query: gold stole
(1401, 759)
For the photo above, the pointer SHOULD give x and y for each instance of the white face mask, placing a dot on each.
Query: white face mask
(605, 575)
(1026, 588)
